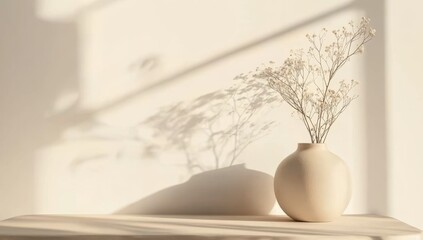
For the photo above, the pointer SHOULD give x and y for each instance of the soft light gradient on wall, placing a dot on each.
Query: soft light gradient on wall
(79, 79)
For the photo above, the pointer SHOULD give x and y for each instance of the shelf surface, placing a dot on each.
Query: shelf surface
(202, 227)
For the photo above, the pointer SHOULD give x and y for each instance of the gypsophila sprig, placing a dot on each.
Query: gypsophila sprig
(306, 82)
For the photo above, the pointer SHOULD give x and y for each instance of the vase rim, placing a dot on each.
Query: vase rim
(302, 146)
(306, 143)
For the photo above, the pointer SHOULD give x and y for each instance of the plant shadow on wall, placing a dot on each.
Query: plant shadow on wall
(214, 129)
(211, 132)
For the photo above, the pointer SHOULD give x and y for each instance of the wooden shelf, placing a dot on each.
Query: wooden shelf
(202, 227)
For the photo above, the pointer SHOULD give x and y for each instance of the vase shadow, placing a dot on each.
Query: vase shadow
(233, 190)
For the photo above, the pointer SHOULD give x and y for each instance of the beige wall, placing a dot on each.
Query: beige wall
(404, 101)
(80, 78)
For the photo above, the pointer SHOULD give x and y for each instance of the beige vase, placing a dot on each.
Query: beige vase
(313, 184)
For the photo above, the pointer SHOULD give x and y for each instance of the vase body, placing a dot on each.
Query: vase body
(313, 184)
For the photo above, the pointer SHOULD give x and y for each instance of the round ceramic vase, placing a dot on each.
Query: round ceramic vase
(313, 184)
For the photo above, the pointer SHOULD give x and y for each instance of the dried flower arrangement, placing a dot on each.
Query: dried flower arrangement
(306, 79)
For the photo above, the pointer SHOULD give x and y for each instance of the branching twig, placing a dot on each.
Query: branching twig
(306, 80)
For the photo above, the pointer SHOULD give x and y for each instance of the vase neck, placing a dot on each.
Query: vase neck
(305, 146)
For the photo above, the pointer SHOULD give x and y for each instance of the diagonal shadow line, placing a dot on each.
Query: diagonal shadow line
(94, 6)
(73, 119)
